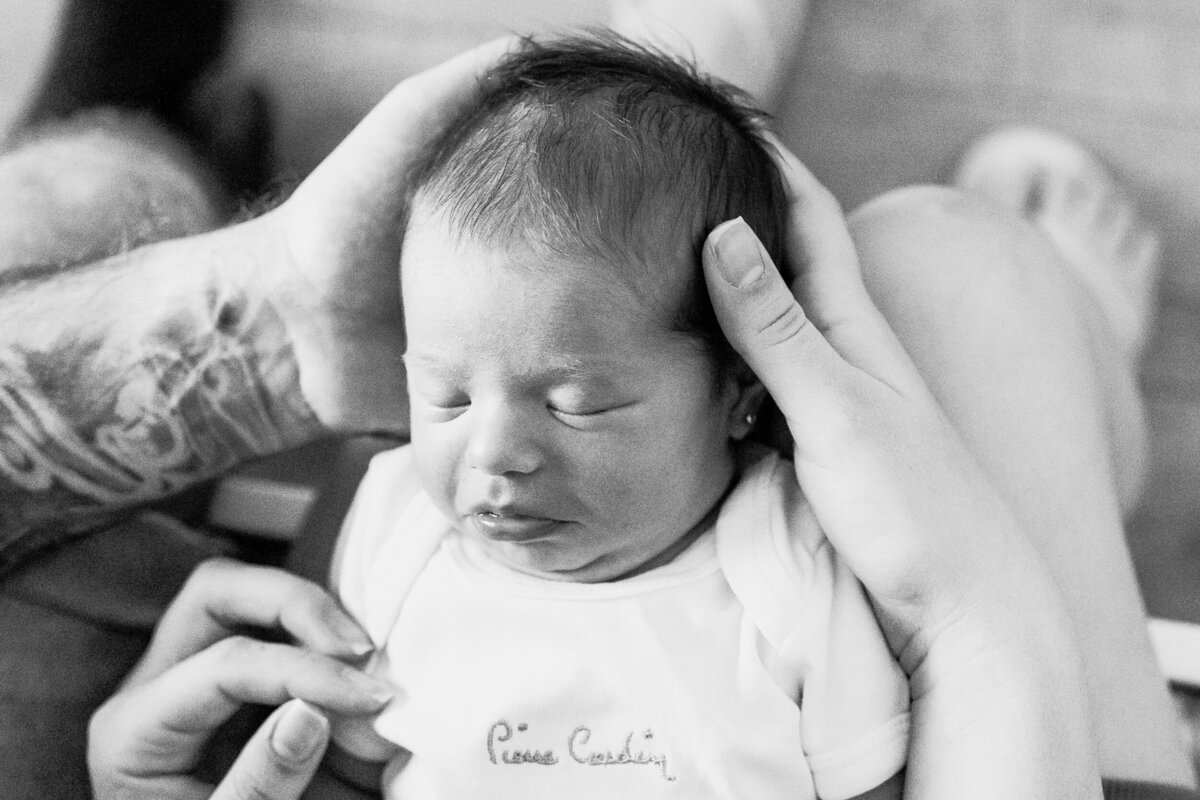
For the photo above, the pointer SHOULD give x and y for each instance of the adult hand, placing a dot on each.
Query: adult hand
(964, 601)
(200, 668)
(334, 250)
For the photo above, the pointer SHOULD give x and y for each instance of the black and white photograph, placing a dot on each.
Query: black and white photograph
(599, 399)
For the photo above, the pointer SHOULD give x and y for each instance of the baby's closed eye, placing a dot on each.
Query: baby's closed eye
(575, 402)
(441, 403)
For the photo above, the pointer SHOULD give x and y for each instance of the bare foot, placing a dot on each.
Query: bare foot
(1063, 189)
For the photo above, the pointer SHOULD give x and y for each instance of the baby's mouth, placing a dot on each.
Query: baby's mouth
(511, 527)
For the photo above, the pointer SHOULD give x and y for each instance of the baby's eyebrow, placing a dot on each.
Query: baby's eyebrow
(427, 362)
(570, 369)
(592, 370)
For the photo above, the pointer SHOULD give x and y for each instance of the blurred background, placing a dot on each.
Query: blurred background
(883, 93)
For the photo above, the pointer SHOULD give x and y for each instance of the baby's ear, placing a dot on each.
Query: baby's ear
(748, 400)
(754, 414)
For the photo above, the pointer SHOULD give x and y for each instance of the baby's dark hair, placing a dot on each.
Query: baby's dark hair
(595, 147)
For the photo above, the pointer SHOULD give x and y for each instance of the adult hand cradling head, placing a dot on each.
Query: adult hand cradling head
(335, 247)
(963, 599)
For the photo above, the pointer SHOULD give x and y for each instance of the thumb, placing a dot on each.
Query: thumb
(769, 329)
(280, 759)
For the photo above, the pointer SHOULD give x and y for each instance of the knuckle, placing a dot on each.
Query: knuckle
(210, 572)
(218, 566)
(781, 320)
(306, 597)
(235, 649)
(316, 618)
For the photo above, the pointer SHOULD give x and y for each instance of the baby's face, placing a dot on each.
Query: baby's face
(554, 419)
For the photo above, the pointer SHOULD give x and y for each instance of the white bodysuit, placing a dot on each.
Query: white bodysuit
(749, 667)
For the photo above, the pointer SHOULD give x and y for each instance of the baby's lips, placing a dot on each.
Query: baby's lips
(512, 527)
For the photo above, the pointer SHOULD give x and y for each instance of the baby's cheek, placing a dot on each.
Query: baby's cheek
(627, 486)
(437, 466)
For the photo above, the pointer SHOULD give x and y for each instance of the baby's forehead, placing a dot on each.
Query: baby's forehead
(656, 273)
(505, 310)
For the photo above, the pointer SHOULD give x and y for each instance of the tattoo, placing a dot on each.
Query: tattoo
(105, 419)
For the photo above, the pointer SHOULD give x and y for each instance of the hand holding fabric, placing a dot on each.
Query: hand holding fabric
(201, 667)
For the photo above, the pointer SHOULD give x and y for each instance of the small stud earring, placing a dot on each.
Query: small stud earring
(751, 419)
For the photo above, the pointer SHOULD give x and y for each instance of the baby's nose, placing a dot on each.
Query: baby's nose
(503, 441)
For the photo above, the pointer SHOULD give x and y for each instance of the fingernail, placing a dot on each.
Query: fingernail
(365, 684)
(359, 647)
(352, 636)
(299, 732)
(739, 257)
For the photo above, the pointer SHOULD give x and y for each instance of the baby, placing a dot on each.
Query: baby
(582, 580)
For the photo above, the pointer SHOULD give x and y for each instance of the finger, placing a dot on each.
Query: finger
(183, 706)
(223, 596)
(766, 325)
(829, 281)
(200, 692)
(403, 124)
(281, 758)
(160, 728)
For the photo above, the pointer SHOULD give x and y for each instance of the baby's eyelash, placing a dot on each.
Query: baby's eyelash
(577, 413)
(441, 400)
(594, 412)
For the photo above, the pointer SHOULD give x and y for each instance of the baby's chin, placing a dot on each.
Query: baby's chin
(554, 560)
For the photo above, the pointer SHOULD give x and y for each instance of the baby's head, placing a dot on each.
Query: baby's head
(574, 402)
(595, 148)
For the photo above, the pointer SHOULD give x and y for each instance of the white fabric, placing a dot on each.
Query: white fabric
(680, 682)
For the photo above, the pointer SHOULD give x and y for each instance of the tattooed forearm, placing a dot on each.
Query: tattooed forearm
(132, 393)
(175, 416)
